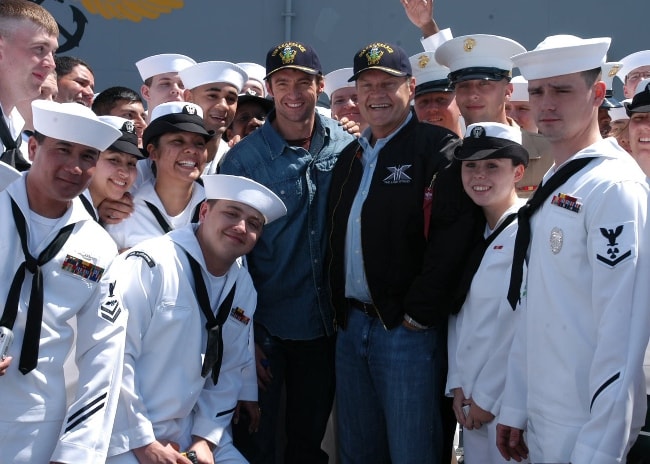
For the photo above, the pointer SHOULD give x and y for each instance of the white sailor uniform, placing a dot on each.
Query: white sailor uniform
(163, 395)
(577, 357)
(35, 424)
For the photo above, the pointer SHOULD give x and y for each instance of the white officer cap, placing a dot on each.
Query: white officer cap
(430, 76)
(557, 55)
(7, 175)
(520, 89)
(489, 140)
(255, 72)
(246, 191)
(608, 71)
(74, 123)
(337, 80)
(164, 63)
(633, 61)
(208, 72)
(478, 56)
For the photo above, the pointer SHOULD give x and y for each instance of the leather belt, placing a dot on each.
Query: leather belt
(368, 309)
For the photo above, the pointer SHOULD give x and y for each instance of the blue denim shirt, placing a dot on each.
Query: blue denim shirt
(287, 264)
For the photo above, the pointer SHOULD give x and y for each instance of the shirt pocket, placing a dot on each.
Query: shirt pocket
(289, 190)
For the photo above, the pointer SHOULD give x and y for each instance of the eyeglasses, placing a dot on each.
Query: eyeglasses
(637, 76)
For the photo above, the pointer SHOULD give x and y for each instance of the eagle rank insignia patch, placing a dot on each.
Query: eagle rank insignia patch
(616, 244)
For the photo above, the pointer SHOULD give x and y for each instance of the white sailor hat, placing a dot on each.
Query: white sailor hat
(620, 112)
(633, 61)
(246, 191)
(74, 123)
(641, 101)
(337, 80)
(608, 71)
(175, 117)
(208, 72)
(519, 89)
(489, 140)
(128, 141)
(7, 175)
(478, 56)
(557, 55)
(255, 72)
(430, 76)
(164, 63)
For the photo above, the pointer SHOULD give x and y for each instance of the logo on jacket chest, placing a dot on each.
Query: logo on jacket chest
(398, 174)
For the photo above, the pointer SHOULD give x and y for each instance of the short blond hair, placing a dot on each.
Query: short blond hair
(12, 11)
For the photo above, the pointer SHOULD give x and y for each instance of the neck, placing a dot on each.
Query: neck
(564, 149)
(212, 146)
(294, 130)
(7, 102)
(95, 197)
(494, 212)
(174, 196)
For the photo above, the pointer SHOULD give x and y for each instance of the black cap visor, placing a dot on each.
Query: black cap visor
(480, 73)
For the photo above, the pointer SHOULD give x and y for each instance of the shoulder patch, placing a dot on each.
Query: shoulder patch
(616, 244)
(110, 309)
(141, 254)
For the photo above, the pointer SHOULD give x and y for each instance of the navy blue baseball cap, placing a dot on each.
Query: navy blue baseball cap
(293, 55)
(389, 58)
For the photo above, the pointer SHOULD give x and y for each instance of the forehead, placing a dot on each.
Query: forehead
(80, 71)
(122, 105)
(215, 87)
(244, 208)
(51, 141)
(645, 68)
(290, 74)
(434, 96)
(344, 92)
(169, 76)
(565, 79)
(376, 74)
(249, 106)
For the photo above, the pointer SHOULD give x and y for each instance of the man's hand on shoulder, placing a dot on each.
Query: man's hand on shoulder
(115, 211)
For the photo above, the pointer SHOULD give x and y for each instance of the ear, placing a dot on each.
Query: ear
(144, 91)
(153, 151)
(412, 88)
(600, 88)
(509, 89)
(519, 172)
(203, 211)
(269, 90)
(187, 96)
(321, 86)
(32, 144)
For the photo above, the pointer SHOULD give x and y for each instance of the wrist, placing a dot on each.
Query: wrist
(409, 320)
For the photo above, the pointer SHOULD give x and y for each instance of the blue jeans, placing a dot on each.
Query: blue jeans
(306, 368)
(387, 393)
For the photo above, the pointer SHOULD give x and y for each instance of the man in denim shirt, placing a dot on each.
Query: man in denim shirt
(293, 154)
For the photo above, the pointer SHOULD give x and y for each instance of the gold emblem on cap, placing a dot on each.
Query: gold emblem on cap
(374, 56)
(288, 55)
(614, 70)
(423, 61)
(469, 45)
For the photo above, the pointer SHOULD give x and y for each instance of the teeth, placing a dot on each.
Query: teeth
(384, 105)
(120, 183)
(478, 188)
(644, 139)
(190, 164)
(294, 105)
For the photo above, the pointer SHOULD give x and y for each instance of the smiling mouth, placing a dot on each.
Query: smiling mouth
(119, 183)
(480, 188)
(187, 164)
